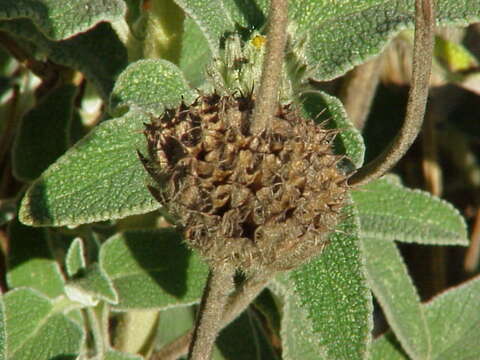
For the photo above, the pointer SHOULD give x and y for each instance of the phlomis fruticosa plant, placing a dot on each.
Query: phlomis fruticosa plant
(253, 185)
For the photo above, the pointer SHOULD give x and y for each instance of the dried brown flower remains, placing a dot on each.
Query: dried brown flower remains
(258, 202)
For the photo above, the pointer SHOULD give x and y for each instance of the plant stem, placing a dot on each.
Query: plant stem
(417, 98)
(215, 295)
(96, 331)
(266, 98)
(236, 304)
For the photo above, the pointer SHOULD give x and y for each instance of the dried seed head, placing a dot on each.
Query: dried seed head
(256, 202)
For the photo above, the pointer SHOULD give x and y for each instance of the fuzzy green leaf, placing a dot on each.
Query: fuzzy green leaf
(75, 258)
(98, 53)
(91, 286)
(195, 54)
(35, 331)
(244, 338)
(387, 347)
(392, 286)
(343, 34)
(62, 19)
(100, 178)
(3, 331)
(390, 211)
(31, 262)
(117, 355)
(349, 141)
(152, 269)
(332, 289)
(174, 322)
(299, 340)
(248, 14)
(42, 135)
(151, 86)
(212, 17)
(454, 322)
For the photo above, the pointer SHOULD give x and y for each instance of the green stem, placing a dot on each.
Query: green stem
(266, 98)
(208, 324)
(96, 331)
(236, 304)
(417, 98)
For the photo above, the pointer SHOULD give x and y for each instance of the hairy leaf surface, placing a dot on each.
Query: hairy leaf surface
(100, 178)
(151, 86)
(393, 288)
(390, 211)
(152, 269)
(332, 290)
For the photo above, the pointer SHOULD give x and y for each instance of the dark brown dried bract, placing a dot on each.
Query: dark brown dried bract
(258, 202)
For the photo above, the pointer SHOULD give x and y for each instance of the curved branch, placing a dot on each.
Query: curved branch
(417, 98)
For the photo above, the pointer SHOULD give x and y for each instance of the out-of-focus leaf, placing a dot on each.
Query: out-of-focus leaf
(62, 19)
(100, 178)
(454, 322)
(42, 135)
(8, 210)
(245, 338)
(195, 54)
(30, 261)
(152, 269)
(75, 258)
(137, 331)
(35, 331)
(117, 355)
(150, 86)
(387, 347)
(98, 53)
(174, 322)
(325, 108)
(389, 280)
(332, 290)
(248, 14)
(299, 340)
(390, 211)
(454, 57)
(91, 286)
(212, 17)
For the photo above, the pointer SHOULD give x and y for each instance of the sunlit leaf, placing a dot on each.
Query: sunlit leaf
(100, 178)
(152, 269)
(151, 86)
(62, 19)
(390, 211)
(35, 331)
(332, 290)
(393, 288)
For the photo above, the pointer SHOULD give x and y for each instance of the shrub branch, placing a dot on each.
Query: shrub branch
(417, 97)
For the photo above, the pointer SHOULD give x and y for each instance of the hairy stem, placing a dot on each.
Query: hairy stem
(417, 98)
(236, 304)
(215, 295)
(266, 98)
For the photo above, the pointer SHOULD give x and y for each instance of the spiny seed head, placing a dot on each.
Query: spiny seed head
(258, 202)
